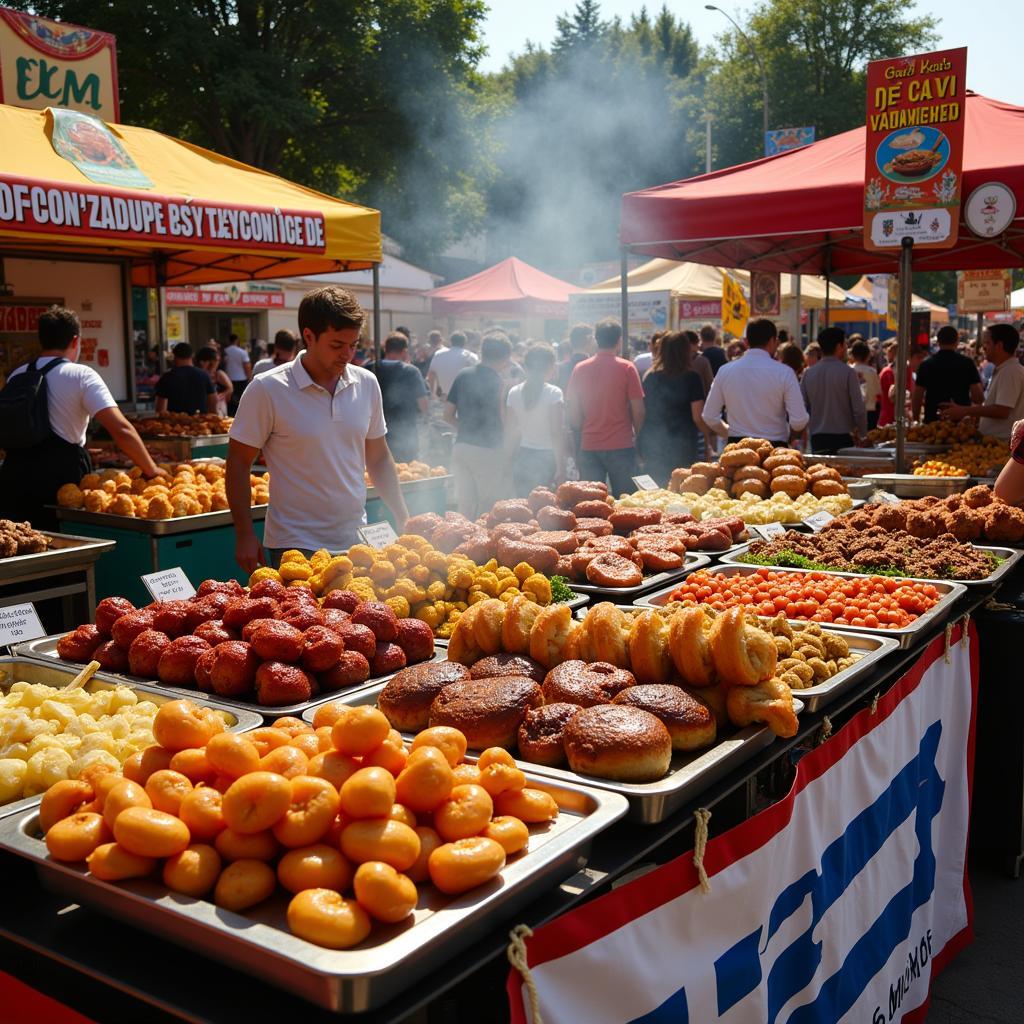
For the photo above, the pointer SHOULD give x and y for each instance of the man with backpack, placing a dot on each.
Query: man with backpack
(45, 409)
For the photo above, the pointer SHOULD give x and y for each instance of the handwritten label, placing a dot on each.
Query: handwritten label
(378, 535)
(818, 520)
(885, 498)
(766, 531)
(646, 483)
(18, 624)
(169, 585)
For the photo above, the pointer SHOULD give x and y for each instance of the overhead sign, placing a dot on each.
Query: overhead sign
(82, 210)
(781, 140)
(88, 144)
(648, 311)
(46, 63)
(914, 150)
(700, 310)
(233, 297)
(765, 293)
(983, 291)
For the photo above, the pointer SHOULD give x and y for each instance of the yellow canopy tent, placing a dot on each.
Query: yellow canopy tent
(862, 290)
(180, 214)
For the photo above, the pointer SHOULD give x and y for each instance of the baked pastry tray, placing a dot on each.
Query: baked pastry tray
(625, 595)
(949, 593)
(689, 774)
(391, 959)
(25, 670)
(1010, 557)
(45, 649)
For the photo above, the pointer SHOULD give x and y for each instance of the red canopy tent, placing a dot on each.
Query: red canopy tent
(803, 210)
(511, 287)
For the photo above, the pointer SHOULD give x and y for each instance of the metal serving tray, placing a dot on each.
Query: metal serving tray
(915, 448)
(1010, 556)
(949, 593)
(66, 551)
(195, 440)
(391, 959)
(19, 669)
(153, 527)
(689, 774)
(659, 579)
(45, 649)
(906, 485)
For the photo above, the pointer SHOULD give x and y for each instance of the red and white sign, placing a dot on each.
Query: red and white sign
(700, 310)
(83, 211)
(20, 317)
(207, 297)
(840, 902)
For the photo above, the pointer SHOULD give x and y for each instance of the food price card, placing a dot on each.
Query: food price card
(885, 498)
(18, 624)
(169, 585)
(766, 531)
(646, 483)
(678, 509)
(818, 520)
(378, 535)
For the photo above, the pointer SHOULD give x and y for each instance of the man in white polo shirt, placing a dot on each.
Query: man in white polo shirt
(319, 421)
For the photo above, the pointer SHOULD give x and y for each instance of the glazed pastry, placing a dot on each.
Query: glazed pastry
(690, 723)
(508, 665)
(734, 456)
(407, 696)
(488, 712)
(462, 645)
(487, 625)
(743, 654)
(520, 615)
(549, 635)
(770, 701)
(649, 653)
(576, 682)
(621, 743)
(690, 648)
(605, 635)
(541, 734)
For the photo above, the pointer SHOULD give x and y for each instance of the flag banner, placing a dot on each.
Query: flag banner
(840, 902)
(735, 310)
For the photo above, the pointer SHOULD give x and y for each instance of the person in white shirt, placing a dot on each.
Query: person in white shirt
(319, 421)
(447, 363)
(535, 435)
(1004, 400)
(760, 396)
(235, 362)
(31, 477)
(285, 344)
(870, 387)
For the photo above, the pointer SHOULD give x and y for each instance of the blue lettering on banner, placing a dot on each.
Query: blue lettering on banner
(917, 789)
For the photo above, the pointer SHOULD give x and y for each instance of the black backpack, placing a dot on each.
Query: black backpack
(24, 413)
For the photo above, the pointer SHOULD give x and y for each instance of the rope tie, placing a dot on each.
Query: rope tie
(700, 845)
(826, 729)
(965, 623)
(874, 704)
(949, 643)
(516, 953)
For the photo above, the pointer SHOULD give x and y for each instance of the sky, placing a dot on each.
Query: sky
(990, 32)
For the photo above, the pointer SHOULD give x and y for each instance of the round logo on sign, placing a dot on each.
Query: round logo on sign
(990, 209)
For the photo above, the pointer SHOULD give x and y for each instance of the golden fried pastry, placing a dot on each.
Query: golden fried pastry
(520, 615)
(734, 456)
(407, 696)
(823, 473)
(614, 742)
(707, 469)
(690, 723)
(549, 635)
(743, 654)
(541, 735)
(783, 457)
(694, 484)
(823, 488)
(605, 635)
(760, 445)
(689, 646)
(70, 496)
(713, 698)
(751, 473)
(794, 486)
(576, 682)
(488, 712)
(462, 646)
(649, 648)
(487, 625)
(721, 483)
(611, 570)
(750, 487)
(770, 701)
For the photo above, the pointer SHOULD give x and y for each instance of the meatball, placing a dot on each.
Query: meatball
(109, 610)
(112, 658)
(379, 617)
(335, 618)
(144, 653)
(268, 588)
(243, 609)
(416, 638)
(231, 587)
(172, 618)
(351, 670)
(202, 673)
(278, 641)
(205, 609)
(387, 659)
(233, 668)
(215, 632)
(359, 638)
(323, 649)
(302, 616)
(177, 665)
(345, 600)
(130, 625)
(278, 684)
(79, 645)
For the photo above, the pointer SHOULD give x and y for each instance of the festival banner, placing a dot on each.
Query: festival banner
(232, 297)
(648, 311)
(841, 902)
(735, 310)
(46, 63)
(914, 150)
(781, 140)
(983, 291)
(88, 144)
(765, 293)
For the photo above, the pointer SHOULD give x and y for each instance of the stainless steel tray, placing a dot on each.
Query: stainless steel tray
(391, 959)
(153, 527)
(66, 551)
(689, 774)
(414, 485)
(195, 440)
(872, 650)
(950, 593)
(1010, 556)
(692, 563)
(20, 669)
(45, 649)
(906, 485)
(915, 447)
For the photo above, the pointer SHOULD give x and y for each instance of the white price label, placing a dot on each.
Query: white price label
(818, 520)
(378, 535)
(18, 624)
(679, 510)
(885, 498)
(646, 483)
(169, 585)
(766, 531)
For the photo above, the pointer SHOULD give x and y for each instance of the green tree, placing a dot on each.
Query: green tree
(374, 100)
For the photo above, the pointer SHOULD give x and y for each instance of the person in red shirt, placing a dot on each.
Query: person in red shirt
(886, 381)
(606, 409)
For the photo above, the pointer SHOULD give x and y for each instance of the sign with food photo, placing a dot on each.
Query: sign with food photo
(914, 150)
(765, 299)
(94, 149)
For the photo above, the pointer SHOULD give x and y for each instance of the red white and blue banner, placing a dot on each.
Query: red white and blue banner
(838, 903)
